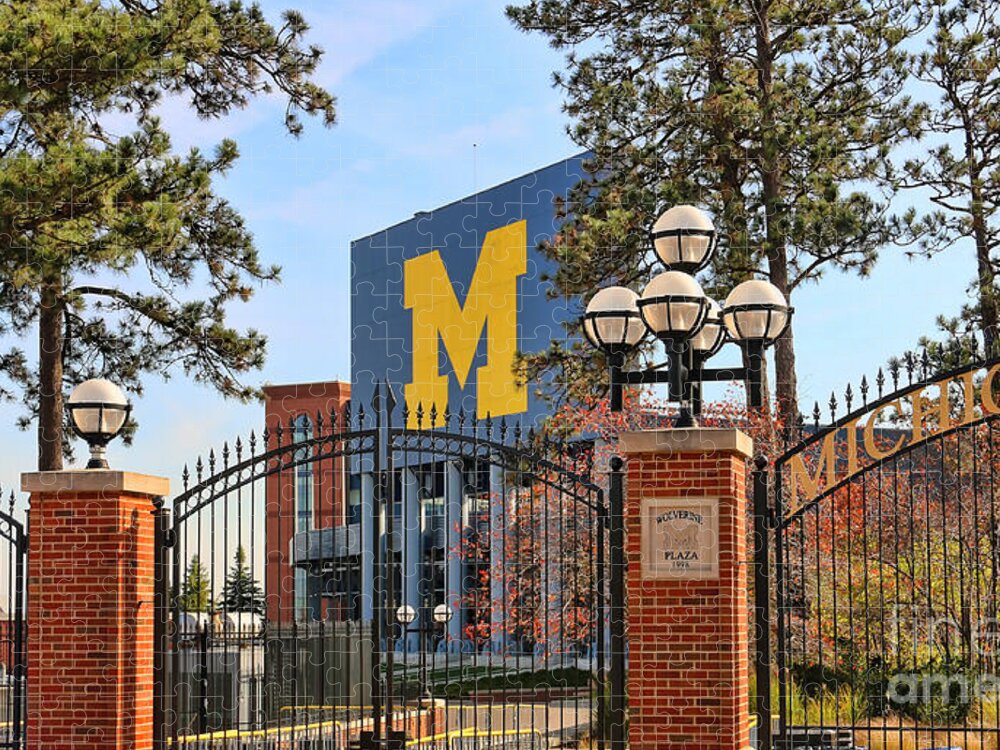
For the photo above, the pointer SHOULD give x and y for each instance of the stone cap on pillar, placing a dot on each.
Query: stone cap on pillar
(687, 440)
(94, 480)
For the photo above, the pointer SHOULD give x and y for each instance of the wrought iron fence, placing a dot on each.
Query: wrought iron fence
(13, 627)
(495, 536)
(886, 557)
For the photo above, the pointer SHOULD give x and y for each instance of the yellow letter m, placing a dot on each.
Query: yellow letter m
(490, 306)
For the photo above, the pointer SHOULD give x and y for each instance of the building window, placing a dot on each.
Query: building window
(354, 500)
(304, 488)
(303, 476)
(432, 504)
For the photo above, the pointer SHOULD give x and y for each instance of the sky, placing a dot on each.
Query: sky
(436, 99)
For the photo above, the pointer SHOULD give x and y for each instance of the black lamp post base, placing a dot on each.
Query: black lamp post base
(685, 419)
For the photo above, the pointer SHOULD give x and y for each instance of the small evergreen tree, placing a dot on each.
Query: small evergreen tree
(196, 587)
(241, 592)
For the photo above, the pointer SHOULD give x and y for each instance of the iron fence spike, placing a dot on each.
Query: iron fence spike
(390, 400)
(894, 367)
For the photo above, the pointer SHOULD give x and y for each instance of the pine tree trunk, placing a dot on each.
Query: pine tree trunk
(50, 378)
(786, 386)
(986, 277)
(786, 382)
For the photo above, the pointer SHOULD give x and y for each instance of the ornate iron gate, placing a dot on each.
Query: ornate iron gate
(13, 630)
(887, 566)
(423, 577)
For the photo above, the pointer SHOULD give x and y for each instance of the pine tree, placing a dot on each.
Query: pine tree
(778, 116)
(241, 592)
(961, 170)
(196, 588)
(116, 250)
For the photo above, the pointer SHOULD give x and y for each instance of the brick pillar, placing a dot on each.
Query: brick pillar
(686, 522)
(90, 609)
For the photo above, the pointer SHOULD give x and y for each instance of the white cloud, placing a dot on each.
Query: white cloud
(506, 126)
(352, 35)
(360, 30)
(187, 130)
(345, 194)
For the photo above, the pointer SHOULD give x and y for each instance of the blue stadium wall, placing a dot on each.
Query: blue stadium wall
(461, 282)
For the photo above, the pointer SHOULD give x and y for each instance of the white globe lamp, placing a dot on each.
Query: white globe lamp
(684, 238)
(756, 312)
(98, 410)
(673, 306)
(612, 321)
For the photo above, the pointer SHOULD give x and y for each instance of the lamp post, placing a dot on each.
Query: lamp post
(441, 615)
(98, 411)
(690, 326)
(406, 615)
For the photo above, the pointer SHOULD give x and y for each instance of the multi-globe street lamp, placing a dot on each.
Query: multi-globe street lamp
(691, 327)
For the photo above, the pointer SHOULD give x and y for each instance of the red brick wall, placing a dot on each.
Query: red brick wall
(282, 404)
(7, 637)
(90, 622)
(688, 665)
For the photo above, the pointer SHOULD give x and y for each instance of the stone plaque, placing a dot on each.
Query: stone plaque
(680, 537)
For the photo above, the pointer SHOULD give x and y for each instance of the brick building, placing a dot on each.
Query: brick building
(306, 496)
